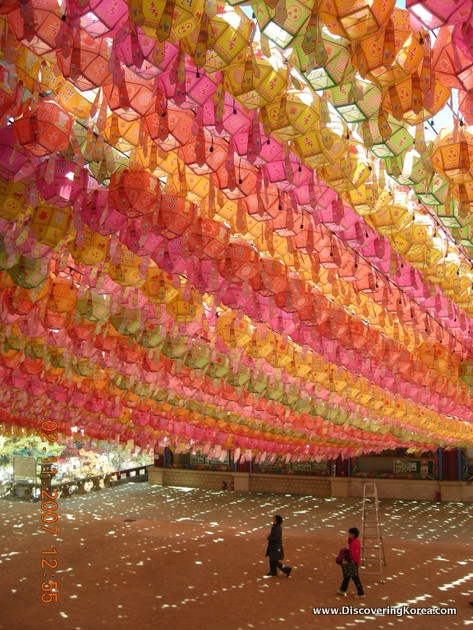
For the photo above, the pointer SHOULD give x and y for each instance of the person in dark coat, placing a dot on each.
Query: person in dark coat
(275, 550)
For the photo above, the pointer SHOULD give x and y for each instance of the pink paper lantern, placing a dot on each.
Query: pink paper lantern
(103, 17)
(66, 183)
(435, 13)
(450, 63)
(100, 215)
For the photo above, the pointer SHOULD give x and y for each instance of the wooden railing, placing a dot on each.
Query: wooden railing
(105, 480)
(91, 483)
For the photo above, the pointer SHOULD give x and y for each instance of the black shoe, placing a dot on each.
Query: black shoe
(288, 572)
(273, 574)
(471, 603)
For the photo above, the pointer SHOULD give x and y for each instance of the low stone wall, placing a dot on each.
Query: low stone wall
(243, 482)
(406, 489)
(207, 479)
(290, 484)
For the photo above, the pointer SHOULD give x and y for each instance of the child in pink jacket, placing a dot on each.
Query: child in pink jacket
(350, 568)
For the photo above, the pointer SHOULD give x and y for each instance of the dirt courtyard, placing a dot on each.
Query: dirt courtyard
(143, 557)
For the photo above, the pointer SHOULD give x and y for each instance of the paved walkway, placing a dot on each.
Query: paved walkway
(142, 557)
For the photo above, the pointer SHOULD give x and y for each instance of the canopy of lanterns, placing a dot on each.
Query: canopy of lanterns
(226, 230)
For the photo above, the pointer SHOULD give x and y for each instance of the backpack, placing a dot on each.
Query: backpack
(342, 555)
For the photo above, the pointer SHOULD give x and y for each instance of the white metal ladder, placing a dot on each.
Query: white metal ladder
(372, 545)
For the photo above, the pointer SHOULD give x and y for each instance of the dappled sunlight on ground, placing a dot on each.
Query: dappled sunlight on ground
(139, 556)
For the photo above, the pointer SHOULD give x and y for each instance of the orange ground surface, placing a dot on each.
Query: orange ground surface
(143, 557)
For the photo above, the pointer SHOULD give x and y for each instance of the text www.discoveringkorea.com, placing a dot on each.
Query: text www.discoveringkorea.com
(398, 611)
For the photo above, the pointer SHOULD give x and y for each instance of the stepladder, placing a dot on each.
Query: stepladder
(372, 544)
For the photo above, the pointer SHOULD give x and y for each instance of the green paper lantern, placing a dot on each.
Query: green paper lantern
(335, 69)
(353, 107)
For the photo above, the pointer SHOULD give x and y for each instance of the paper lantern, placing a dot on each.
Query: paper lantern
(141, 235)
(87, 66)
(231, 31)
(89, 247)
(127, 270)
(272, 278)
(186, 306)
(208, 238)
(41, 29)
(463, 193)
(311, 149)
(28, 273)
(294, 115)
(354, 20)
(363, 198)
(47, 131)
(466, 372)
(132, 99)
(240, 263)
(414, 241)
(143, 55)
(8, 97)
(50, 224)
(392, 54)
(406, 101)
(134, 193)
(102, 17)
(262, 206)
(126, 320)
(258, 81)
(282, 27)
(390, 219)
(434, 192)
(385, 144)
(355, 107)
(63, 295)
(12, 155)
(27, 66)
(158, 286)
(100, 215)
(238, 183)
(452, 155)
(450, 63)
(234, 332)
(21, 301)
(345, 175)
(288, 177)
(94, 307)
(196, 88)
(170, 130)
(176, 216)
(434, 13)
(11, 199)
(64, 185)
(71, 99)
(203, 154)
(465, 105)
(331, 67)
(179, 18)
(151, 335)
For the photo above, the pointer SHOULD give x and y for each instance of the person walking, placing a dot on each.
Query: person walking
(351, 564)
(275, 550)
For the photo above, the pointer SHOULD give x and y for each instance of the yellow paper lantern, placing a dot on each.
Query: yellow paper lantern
(294, 115)
(167, 20)
(89, 248)
(452, 155)
(12, 200)
(259, 80)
